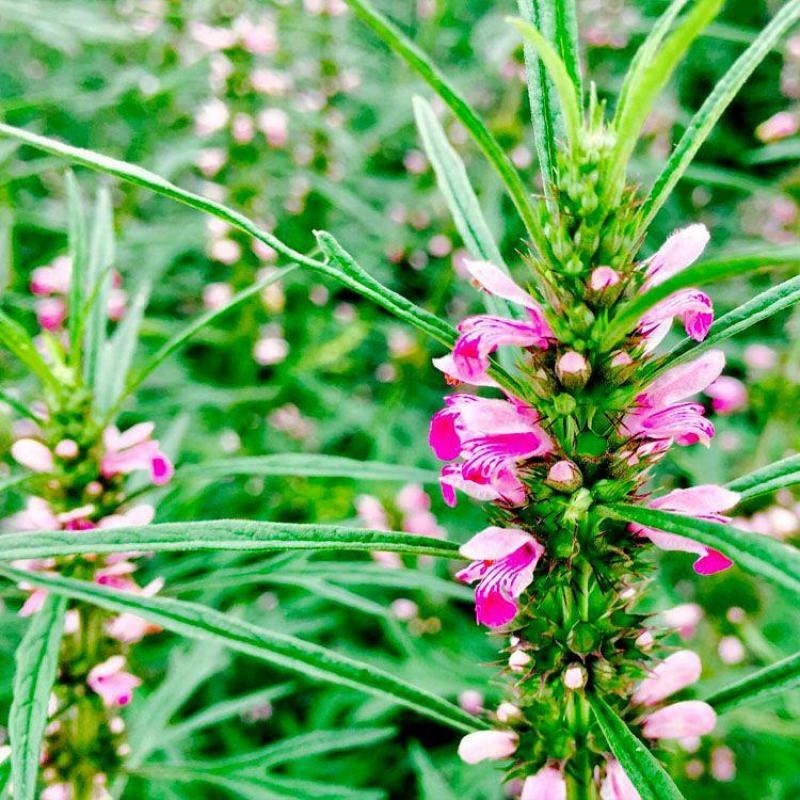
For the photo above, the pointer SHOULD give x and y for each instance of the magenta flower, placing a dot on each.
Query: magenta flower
(492, 437)
(692, 307)
(503, 561)
(660, 414)
(547, 784)
(481, 335)
(134, 450)
(616, 784)
(727, 395)
(491, 745)
(701, 502)
(112, 683)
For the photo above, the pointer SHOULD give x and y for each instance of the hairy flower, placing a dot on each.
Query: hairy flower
(132, 450)
(112, 683)
(503, 563)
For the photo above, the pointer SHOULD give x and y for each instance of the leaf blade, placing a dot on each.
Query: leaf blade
(778, 475)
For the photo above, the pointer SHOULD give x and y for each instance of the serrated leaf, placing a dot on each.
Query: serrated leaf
(764, 683)
(785, 472)
(761, 307)
(753, 552)
(308, 465)
(640, 765)
(281, 650)
(708, 271)
(243, 535)
(712, 109)
(37, 663)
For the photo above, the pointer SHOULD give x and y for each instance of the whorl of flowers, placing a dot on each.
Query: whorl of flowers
(583, 427)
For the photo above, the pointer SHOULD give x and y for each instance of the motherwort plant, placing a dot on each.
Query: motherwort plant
(576, 403)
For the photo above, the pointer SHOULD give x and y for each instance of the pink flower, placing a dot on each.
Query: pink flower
(693, 307)
(133, 450)
(53, 279)
(674, 673)
(492, 745)
(778, 126)
(659, 413)
(617, 785)
(129, 628)
(112, 683)
(33, 454)
(481, 335)
(727, 395)
(603, 278)
(492, 436)
(688, 718)
(701, 502)
(51, 313)
(503, 561)
(683, 618)
(56, 791)
(547, 784)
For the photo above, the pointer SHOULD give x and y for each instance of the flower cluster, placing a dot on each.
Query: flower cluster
(579, 428)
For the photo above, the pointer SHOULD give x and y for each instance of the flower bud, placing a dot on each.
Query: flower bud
(32, 454)
(573, 370)
(605, 285)
(67, 449)
(620, 368)
(518, 660)
(508, 713)
(471, 701)
(689, 718)
(547, 784)
(575, 676)
(727, 395)
(564, 476)
(482, 745)
(723, 765)
(674, 673)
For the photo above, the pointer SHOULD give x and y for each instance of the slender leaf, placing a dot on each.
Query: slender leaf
(785, 472)
(761, 307)
(281, 650)
(304, 745)
(708, 271)
(37, 662)
(545, 112)
(98, 285)
(19, 407)
(642, 93)
(224, 710)
(566, 41)
(422, 65)
(185, 335)
(307, 465)
(775, 679)
(16, 340)
(78, 259)
(221, 534)
(712, 109)
(432, 785)
(647, 775)
(567, 94)
(753, 552)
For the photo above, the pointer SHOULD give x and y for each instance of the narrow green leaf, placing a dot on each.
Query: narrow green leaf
(98, 285)
(646, 52)
(19, 407)
(78, 258)
(454, 184)
(432, 785)
(117, 354)
(545, 112)
(567, 95)
(205, 319)
(753, 552)
(712, 109)
(785, 472)
(222, 711)
(287, 652)
(304, 745)
(37, 662)
(640, 765)
(761, 307)
(488, 145)
(650, 81)
(567, 42)
(222, 534)
(15, 339)
(307, 465)
(775, 679)
(708, 271)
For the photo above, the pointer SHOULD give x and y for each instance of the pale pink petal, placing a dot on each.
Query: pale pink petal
(33, 454)
(547, 784)
(674, 673)
(493, 543)
(683, 381)
(493, 280)
(491, 745)
(616, 784)
(681, 250)
(727, 395)
(447, 365)
(689, 718)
